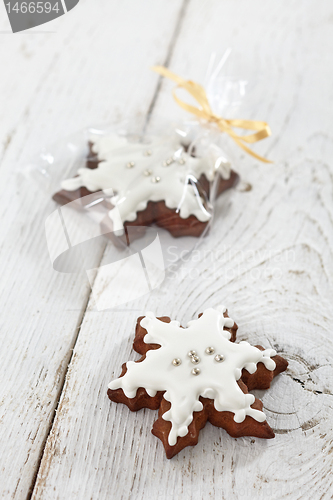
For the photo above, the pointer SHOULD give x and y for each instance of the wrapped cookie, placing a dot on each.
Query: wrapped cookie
(126, 179)
(171, 180)
(164, 181)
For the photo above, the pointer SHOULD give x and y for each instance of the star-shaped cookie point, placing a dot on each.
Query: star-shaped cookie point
(195, 374)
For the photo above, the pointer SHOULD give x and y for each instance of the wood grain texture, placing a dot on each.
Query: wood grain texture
(268, 258)
(55, 84)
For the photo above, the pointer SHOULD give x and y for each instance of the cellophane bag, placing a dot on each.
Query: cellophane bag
(140, 192)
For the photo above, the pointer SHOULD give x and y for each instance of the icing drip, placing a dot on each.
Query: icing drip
(138, 173)
(217, 377)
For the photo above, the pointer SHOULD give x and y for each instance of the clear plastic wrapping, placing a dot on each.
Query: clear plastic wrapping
(114, 185)
(142, 192)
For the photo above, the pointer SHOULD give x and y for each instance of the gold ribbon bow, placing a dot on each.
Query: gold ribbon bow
(205, 112)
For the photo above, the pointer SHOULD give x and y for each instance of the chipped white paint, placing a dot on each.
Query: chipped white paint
(270, 252)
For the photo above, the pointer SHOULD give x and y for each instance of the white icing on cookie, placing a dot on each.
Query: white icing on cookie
(138, 173)
(161, 370)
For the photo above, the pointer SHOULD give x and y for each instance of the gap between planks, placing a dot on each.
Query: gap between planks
(166, 62)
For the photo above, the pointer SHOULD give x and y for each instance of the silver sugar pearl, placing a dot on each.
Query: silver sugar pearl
(168, 162)
(181, 161)
(219, 358)
(210, 350)
(147, 153)
(130, 164)
(195, 371)
(155, 179)
(176, 362)
(195, 360)
(191, 353)
(147, 172)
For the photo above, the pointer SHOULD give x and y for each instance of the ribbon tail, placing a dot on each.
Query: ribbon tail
(161, 70)
(249, 151)
(263, 129)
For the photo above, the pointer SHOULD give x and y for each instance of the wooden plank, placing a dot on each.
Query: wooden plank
(56, 84)
(268, 258)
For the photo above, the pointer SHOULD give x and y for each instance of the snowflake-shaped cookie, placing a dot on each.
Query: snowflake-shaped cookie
(196, 374)
(157, 182)
(139, 173)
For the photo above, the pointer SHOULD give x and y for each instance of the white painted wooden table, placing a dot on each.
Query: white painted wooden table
(269, 257)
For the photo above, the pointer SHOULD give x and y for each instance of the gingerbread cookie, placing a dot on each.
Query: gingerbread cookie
(158, 183)
(194, 375)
